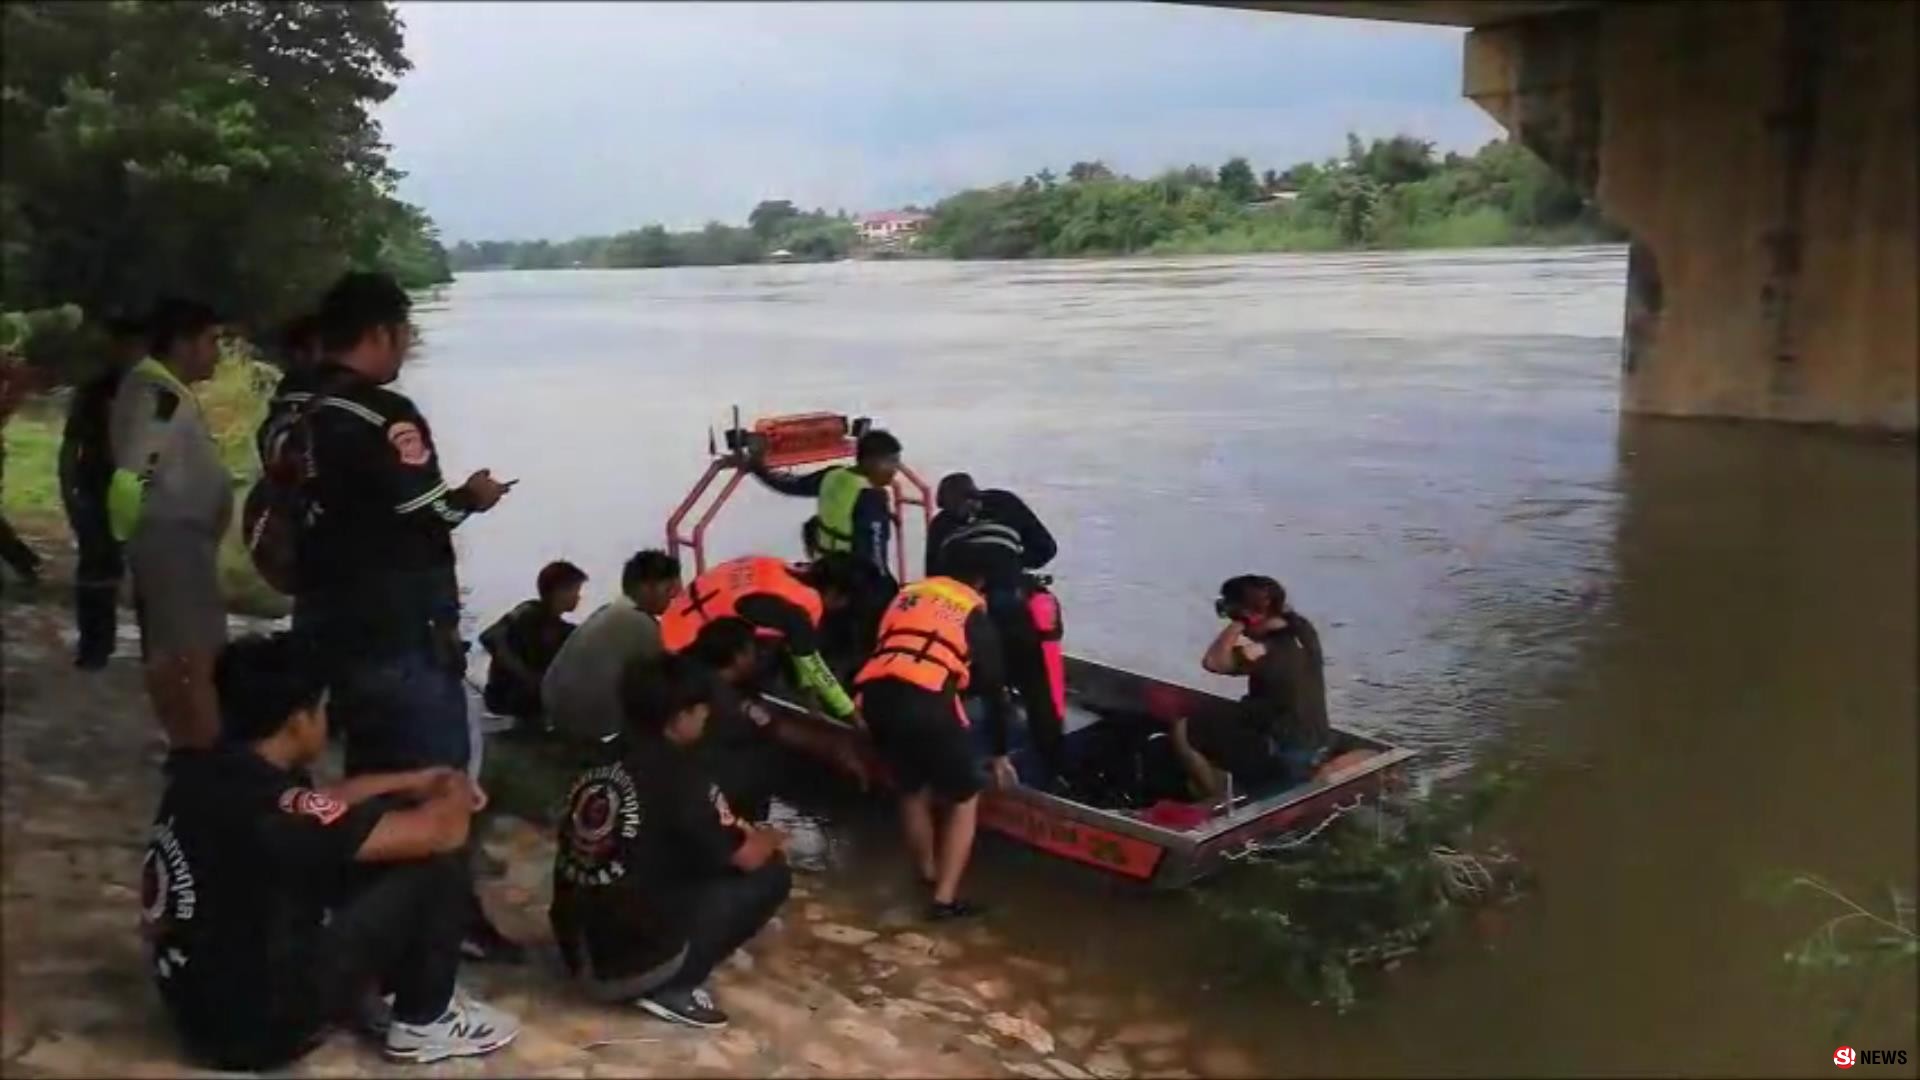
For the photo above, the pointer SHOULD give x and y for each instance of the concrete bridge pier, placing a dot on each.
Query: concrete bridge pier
(1763, 157)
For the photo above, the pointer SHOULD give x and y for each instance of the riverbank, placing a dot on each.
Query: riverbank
(841, 986)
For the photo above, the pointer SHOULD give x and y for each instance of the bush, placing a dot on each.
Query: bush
(1372, 888)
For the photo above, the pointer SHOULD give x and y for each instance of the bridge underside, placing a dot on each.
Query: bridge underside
(1762, 155)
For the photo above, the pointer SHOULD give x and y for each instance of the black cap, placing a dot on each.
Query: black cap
(954, 489)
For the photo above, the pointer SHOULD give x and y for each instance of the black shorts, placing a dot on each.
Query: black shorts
(922, 739)
(1229, 740)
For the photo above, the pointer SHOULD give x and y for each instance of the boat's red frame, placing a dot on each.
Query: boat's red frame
(790, 440)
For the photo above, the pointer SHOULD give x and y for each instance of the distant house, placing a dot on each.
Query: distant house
(1274, 199)
(890, 226)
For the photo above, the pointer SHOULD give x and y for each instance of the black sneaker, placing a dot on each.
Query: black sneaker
(485, 944)
(956, 909)
(693, 1008)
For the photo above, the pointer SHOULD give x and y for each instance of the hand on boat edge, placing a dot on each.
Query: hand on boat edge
(1004, 775)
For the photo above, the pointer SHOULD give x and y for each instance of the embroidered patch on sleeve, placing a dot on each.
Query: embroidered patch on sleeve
(322, 808)
(409, 444)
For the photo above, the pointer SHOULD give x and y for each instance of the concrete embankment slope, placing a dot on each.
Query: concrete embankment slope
(829, 991)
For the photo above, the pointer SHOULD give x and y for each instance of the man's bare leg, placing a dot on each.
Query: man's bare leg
(956, 847)
(181, 688)
(1202, 777)
(916, 822)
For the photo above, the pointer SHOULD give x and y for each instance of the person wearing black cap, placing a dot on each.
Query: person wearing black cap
(995, 530)
(86, 467)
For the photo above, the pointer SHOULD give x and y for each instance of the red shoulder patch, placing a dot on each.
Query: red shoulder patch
(409, 443)
(322, 808)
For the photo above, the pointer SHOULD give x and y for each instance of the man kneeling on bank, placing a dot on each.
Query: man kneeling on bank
(274, 909)
(655, 880)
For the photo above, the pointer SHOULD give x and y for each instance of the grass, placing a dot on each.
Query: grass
(235, 401)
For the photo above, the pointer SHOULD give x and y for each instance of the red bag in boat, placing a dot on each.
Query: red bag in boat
(1172, 814)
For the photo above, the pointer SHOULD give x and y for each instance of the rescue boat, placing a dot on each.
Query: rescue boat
(1121, 813)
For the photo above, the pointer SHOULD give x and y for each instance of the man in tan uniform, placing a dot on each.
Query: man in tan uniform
(170, 500)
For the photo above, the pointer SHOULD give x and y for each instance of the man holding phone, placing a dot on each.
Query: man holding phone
(377, 595)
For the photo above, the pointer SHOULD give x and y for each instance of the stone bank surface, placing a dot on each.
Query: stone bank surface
(827, 991)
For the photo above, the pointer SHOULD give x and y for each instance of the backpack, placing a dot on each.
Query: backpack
(280, 509)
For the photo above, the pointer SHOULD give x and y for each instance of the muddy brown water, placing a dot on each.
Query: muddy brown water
(1702, 635)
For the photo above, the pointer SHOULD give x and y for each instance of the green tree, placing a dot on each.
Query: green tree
(219, 149)
(1236, 180)
(767, 219)
(1086, 172)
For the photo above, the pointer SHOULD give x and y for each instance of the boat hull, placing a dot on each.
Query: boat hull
(1123, 843)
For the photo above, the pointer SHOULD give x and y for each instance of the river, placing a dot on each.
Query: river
(1702, 635)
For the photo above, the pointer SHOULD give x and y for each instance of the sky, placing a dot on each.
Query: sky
(527, 120)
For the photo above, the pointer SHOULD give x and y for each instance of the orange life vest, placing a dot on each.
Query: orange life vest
(923, 637)
(718, 592)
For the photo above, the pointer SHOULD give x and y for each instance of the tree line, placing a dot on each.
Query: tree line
(221, 150)
(773, 226)
(1391, 192)
(1388, 193)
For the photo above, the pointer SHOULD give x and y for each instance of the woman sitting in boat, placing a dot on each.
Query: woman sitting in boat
(1277, 735)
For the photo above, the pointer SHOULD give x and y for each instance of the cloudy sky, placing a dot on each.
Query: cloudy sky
(525, 120)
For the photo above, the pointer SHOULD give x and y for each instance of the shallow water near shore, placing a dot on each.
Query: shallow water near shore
(1702, 635)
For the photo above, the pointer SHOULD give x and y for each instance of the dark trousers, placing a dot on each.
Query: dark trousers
(1027, 674)
(723, 914)
(727, 912)
(389, 933)
(407, 711)
(401, 712)
(96, 591)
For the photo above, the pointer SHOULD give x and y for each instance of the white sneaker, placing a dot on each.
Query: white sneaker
(469, 1028)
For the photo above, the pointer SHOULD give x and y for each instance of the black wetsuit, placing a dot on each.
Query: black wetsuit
(1008, 540)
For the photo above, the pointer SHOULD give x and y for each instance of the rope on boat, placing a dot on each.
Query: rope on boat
(1289, 841)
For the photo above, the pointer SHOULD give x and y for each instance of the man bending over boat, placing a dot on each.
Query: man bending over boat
(998, 529)
(741, 746)
(784, 604)
(1277, 734)
(936, 641)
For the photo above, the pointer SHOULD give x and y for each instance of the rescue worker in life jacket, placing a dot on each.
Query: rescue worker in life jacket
(936, 642)
(1010, 543)
(854, 514)
(784, 603)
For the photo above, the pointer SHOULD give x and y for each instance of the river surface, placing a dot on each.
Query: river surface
(1701, 635)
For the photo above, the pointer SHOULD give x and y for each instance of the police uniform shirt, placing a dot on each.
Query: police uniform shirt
(379, 552)
(159, 435)
(638, 837)
(240, 864)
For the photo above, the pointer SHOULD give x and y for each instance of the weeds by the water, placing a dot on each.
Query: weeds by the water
(1372, 888)
(1857, 950)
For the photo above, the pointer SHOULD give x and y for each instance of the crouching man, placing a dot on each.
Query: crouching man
(274, 909)
(655, 879)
